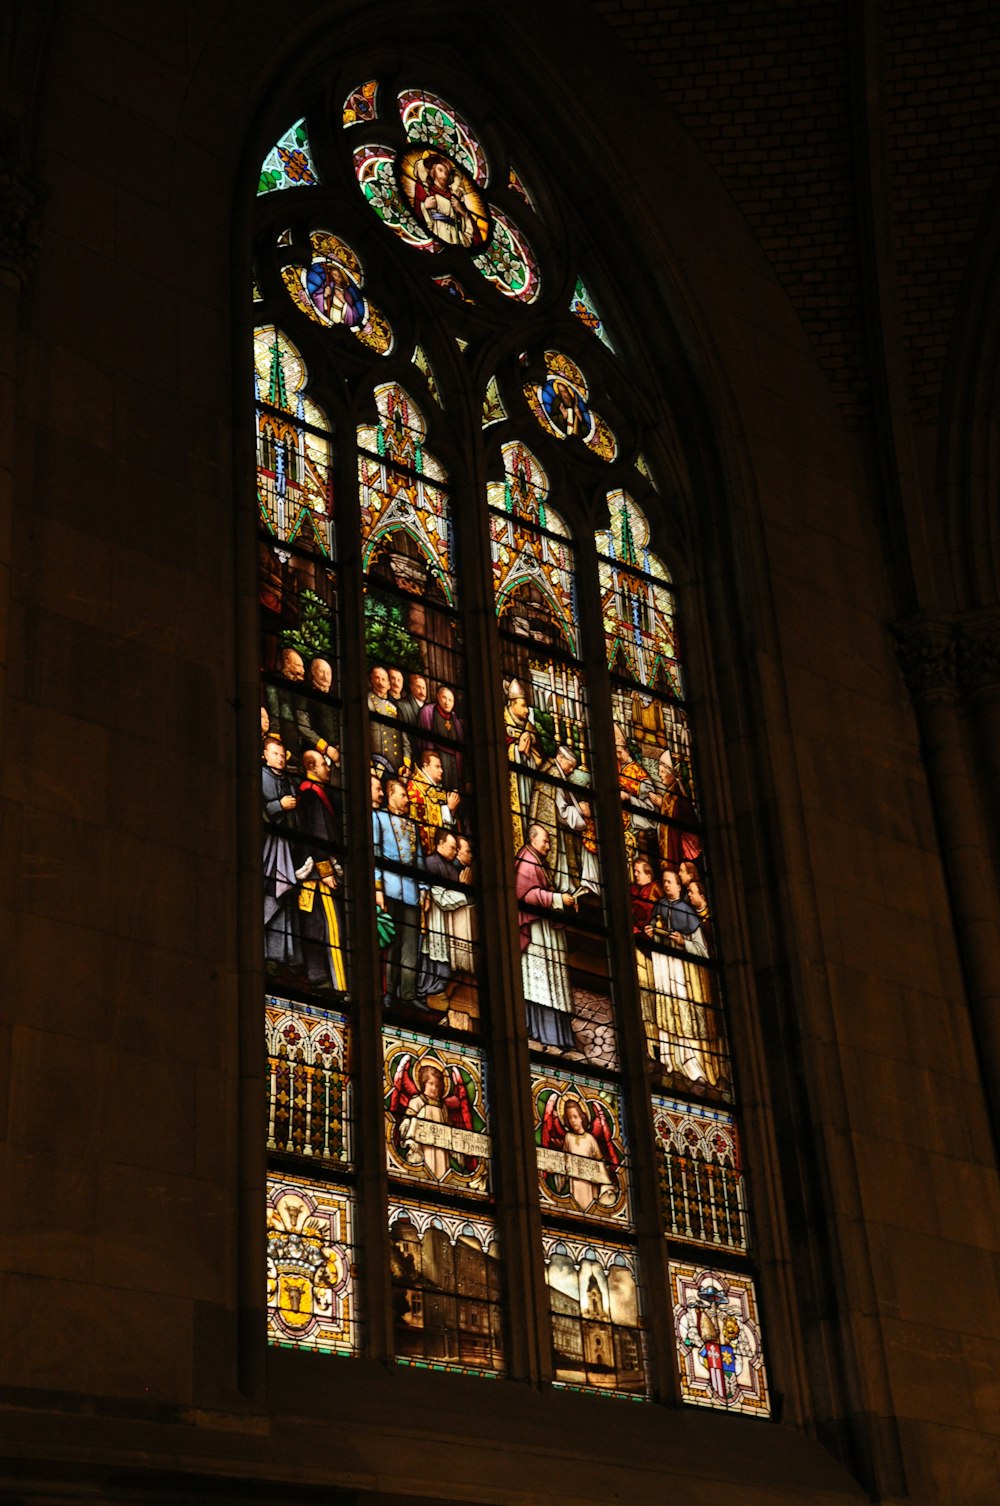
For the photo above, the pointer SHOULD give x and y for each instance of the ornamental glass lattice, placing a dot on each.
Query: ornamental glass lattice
(289, 163)
(404, 275)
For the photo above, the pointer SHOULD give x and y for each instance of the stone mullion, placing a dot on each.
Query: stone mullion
(252, 985)
(515, 1176)
(926, 648)
(365, 978)
(632, 1049)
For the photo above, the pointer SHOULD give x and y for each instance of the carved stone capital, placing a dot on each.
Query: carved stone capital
(925, 648)
(20, 216)
(977, 654)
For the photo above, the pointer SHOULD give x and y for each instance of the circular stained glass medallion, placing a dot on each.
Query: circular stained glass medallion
(444, 199)
(565, 407)
(329, 291)
(561, 405)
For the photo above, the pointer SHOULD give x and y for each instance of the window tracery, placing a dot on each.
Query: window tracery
(424, 566)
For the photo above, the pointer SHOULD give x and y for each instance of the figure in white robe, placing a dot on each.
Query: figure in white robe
(682, 988)
(544, 963)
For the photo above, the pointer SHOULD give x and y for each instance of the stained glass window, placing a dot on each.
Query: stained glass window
(581, 1146)
(472, 682)
(564, 957)
(701, 1176)
(308, 1082)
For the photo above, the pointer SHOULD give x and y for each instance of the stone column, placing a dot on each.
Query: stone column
(928, 654)
(977, 649)
(18, 245)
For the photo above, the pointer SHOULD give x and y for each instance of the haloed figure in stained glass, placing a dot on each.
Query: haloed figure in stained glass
(584, 1133)
(336, 297)
(444, 200)
(428, 1097)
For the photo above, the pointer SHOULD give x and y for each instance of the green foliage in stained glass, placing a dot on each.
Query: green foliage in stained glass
(427, 118)
(313, 635)
(509, 262)
(374, 168)
(387, 638)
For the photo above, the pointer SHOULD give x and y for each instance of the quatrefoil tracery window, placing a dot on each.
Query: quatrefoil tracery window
(481, 813)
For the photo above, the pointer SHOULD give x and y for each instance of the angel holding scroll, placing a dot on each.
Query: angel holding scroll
(427, 1095)
(584, 1133)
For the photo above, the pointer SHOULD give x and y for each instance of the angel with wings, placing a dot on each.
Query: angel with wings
(584, 1132)
(424, 1095)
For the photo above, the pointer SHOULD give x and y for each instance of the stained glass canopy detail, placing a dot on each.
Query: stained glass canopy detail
(626, 537)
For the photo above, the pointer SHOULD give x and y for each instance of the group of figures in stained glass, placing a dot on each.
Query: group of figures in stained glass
(422, 796)
(445, 1258)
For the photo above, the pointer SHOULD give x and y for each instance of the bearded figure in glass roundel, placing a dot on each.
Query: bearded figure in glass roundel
(444, 199)
(565, 407)
(334, 293)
